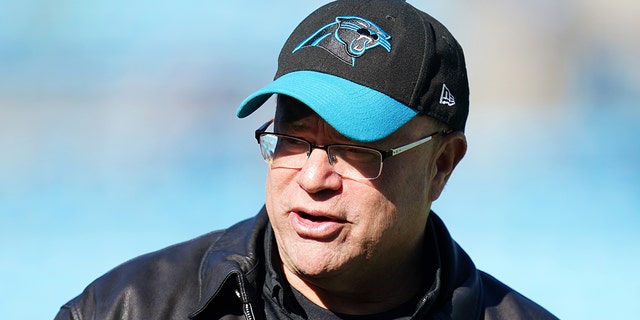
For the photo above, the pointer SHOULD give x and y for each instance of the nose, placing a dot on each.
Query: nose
(317, 174)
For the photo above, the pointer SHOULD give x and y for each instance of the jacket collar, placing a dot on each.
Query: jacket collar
(234, 256)
(459, 292)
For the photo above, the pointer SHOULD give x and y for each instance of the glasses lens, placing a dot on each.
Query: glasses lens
(268, 146)
(283, 151)
(349, 161)
(356, 162)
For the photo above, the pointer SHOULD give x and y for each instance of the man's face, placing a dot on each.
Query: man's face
(330, 227)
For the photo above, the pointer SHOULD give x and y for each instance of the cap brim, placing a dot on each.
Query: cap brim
(356, 111)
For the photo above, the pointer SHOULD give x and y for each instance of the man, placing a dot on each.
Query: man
(372, 100)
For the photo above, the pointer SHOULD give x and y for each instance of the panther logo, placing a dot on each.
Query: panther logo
(348, 38)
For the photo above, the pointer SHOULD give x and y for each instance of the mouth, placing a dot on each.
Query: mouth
(316, 226)
(307, 216)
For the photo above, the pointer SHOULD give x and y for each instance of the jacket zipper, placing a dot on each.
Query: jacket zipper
(248, 311)
(247, 308)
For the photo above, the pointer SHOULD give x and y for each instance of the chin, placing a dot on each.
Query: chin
(315, 262)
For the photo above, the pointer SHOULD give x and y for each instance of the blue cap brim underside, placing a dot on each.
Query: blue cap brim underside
(357, 112)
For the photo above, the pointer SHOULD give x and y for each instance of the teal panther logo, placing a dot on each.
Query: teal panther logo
(348, 38)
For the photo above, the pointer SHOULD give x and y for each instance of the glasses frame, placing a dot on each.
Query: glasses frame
(385, 154)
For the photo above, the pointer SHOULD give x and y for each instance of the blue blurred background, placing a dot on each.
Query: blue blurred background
(118, 137)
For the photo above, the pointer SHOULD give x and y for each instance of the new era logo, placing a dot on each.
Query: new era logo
(446, 97)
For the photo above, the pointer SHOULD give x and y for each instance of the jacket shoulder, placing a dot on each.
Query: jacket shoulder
(136, 289)
(503, 302)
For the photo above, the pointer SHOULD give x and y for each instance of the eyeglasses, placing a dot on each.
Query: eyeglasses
(349, 161)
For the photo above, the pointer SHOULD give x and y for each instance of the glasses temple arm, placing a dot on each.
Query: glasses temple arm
(262, 129)
(412, 145)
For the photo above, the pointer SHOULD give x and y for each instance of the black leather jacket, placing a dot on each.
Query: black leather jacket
(219, 276)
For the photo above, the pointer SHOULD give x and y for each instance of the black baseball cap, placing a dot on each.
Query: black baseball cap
(367, 67)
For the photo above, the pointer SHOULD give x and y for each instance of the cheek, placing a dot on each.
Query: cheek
(275, 190)
(386, 229)
(407, 209)
(401, 183)
(276, 202)
(406, 186)
(373, 209)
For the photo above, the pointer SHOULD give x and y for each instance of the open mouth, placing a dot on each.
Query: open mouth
(316, 226)
(307, 216)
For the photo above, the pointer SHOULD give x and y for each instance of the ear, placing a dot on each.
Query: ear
(447, 156)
